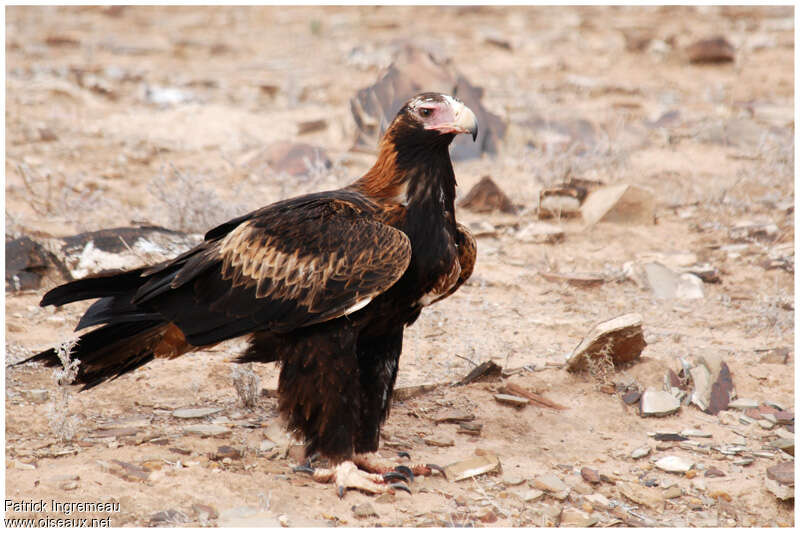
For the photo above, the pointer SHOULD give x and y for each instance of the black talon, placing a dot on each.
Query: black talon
(303, 468)
(403, 454)
(395, 475)
(314, 456)
(400, 486)
(435, 467)
(406, 471)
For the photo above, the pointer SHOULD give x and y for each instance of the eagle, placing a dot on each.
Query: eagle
(323, 284)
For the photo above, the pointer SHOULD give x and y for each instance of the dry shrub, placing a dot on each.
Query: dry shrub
(62, 423)
(247, 385)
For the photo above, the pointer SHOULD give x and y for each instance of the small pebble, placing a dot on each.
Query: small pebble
(638, 453)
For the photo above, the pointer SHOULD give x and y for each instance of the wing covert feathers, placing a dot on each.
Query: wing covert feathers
(289, 265)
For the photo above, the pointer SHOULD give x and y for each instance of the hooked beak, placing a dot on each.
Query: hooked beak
(464, 121)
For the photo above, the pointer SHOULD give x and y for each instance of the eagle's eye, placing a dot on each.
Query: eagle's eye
(425, 112)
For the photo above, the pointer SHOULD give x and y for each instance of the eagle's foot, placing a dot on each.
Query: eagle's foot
(377, 465)
(346, 475)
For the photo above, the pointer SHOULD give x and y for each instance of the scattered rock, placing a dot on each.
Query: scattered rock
(474, 466)
(440, 442)
(776, 356)
(541, 233)
(649, 497)
(561, 202)
(575, 279)
(746, 231)
(780, 480)
(784, 444)
(720, 494)
(126, 471)
(453, 416)
(485, 371)
(205, 512)
(532, 495)
(167, 96)
(658, 403)
(68, 485)
(226, 452)
(498, 41)
(290, 158)
(26, 263)
(552, 485)
(508, 399)
(485, 197)
(598, 501)
(537, 399)
(643, 451)
(668, 285)
(512, 480)
(701, 381)
(672, 492)
(170, 516)
(364, 510)
(721, 390)
(783, 473)
(563, 134)
(669, 437)
(35, 395)
(742, 404)
(620, 338)
(413, 71)
(784, 417)
(470, 428)
(632, 397)
(674, 464)
(195, 412)
(206, 430)
(625, 204)
(88, 253)
(714, 50)
(590, 475)
(713, 471)
(310, 126)
(577, 518)
(695, 434)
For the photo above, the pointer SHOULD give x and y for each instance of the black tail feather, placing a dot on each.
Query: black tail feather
(109, 352)
(109, 283)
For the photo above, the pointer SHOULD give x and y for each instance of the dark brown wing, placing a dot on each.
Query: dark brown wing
(289, 265)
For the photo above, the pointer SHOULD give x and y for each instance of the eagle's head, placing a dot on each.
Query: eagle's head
(413, 158)
(433, 118)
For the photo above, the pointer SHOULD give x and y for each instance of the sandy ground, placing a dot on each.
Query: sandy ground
(86, 150)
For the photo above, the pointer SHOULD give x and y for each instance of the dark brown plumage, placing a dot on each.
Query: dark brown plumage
(323, 284)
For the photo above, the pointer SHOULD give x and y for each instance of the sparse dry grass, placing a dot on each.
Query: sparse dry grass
(63, 424)
(247, 384)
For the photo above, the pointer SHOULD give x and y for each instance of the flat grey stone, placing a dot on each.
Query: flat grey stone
(659, 403)
(643, 451)
(195, 412)
(532, 495)
(696, 433)
(577, 518)
(206, 430)
(675, 464)
(743, 403)
(35, 395)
